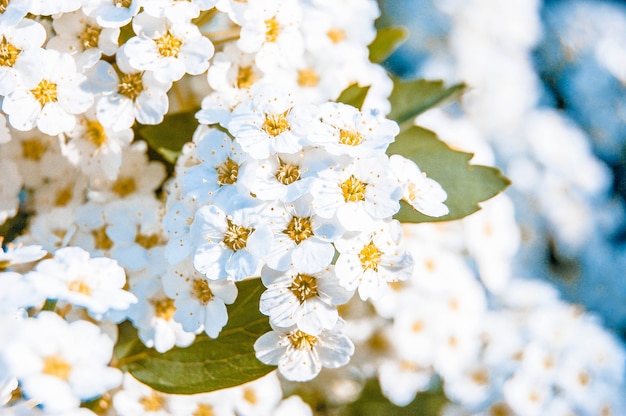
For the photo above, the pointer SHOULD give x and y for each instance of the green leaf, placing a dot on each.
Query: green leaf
(208, 364)
(353, 95)
(388, 39)
(465, 184)
(169, 137)
(411, 98)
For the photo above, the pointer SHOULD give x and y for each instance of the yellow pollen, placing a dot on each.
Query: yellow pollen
(130, 85)
(379, 342)
(124, 186)
(480, 377)
(94, 133)
(227, 172)
(287, 173)
(500, 409)
(250, 396)
(3, 5)
(79, 286)
(202, 291)
(397, 286)
(89, 36)
(63, 197)
(246, 77)
(583, 378)
(417, 326)
(149, 241)
(307, 78)
(33, 149)
(302, 341)
(336, 35)
(45, 92)
(236, 236)
(370, 257)
(152, 403)
(304, 287)
(8, 53)
(299, 229)
(350, 137)
(164, 308)
(272, 30)
(203, 409)
(101, 239)
(53, 365)
(353, 189)
(276, 124)
(169, 45)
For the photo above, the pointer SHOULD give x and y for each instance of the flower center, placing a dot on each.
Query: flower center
(164, 308)
(287, 173)
(3, 5)
(33, 149)
(236, 236)
(202, 291)
(250, 396)
(302, 341)
(89, 36)
(149, 241)
(53, 365)
(124, 186)
(299, 229)
(101, 239)
(336, 35)
(169, 45)
(227, 172)
(122, 3)
(8, 52)
(94, 133)
(370, 257)
(131, 85)
(353, 189)
(350, 137)
(307, 78)
(304, 287)
(152, 403)
(63, 197)
(203, 409)
(79, 286)
(45, 92)
(245, 77)
(276, 124)
(272, 30)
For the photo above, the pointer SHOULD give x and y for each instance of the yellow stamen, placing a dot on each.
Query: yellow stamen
(45, 92)
(304, 287)
(202, 291)
(8, 52)
(227, 172)
(350, 137)
(53, 365)
(236, 236)
(353, 189)
(164, 308)
(124, 186)
(370, 257)
(299, 229)
(33, 149)
(89, 36)
(272, 30)
(246, 77)
(169, 45)
(130, 85)
(302, 341)
(276, 124)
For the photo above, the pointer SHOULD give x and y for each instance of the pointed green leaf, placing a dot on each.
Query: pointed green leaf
(387, 41)
(208, 364)
(169, 137)
(353, 95)
(411, 98)
(465, 184)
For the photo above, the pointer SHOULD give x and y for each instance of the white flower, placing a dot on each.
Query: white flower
(301, 238)
(14, 11)
(96, 149)
(306, 300)
(200, 303)
(269, 123)
(49, 94)
(271, 29)
(357, 193)
(219, 172)
(371, 260)
(229, 243)
(73, 276)
(58, 364)
(177, 11)
(18, 293)
(14, 41)
(47, 8)
(346, 130)
(168, 49)
(233, 69)
(127, 95)
(83, 38)
(424, 194)
(301, 356)
(14, 254)
(136, 398)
